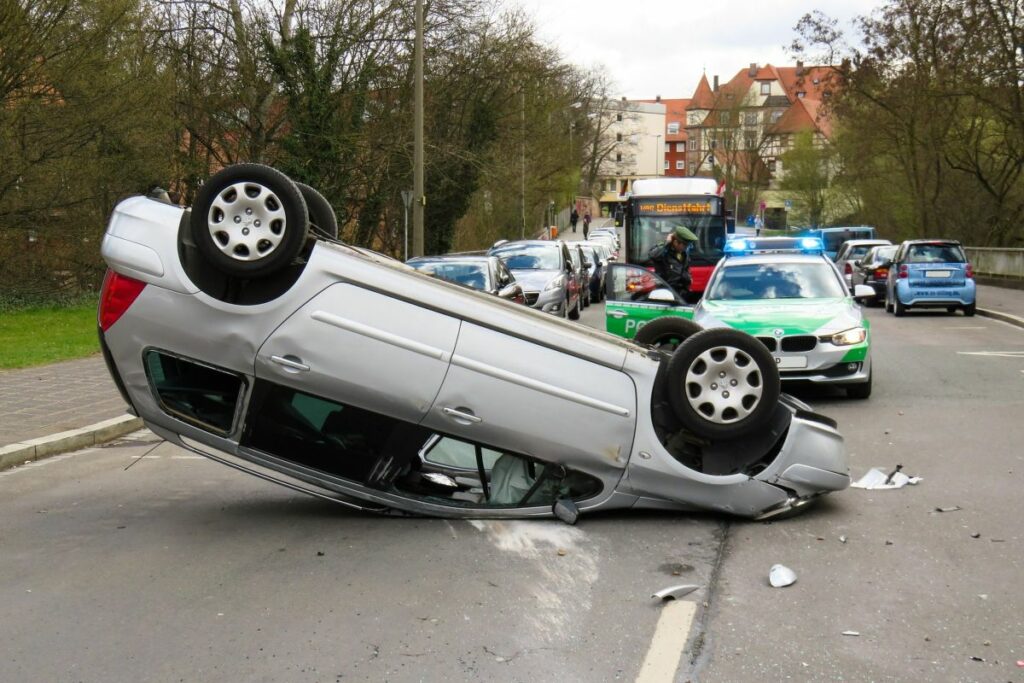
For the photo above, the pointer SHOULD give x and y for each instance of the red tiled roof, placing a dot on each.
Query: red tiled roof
(702, 98)
(803, 115)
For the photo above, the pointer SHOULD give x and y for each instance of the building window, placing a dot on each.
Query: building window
(693, 143)
(680, 146)
(723, 117)
(618, 117)
(666, 164)
(751, 140)
(801, 94)
(771, 165)
(712, 144)
(673, 128)
(693, 168)
(776, 115)
(618, 137)
(618, 156)
(766, 88)
(750, 118)
(679, 165)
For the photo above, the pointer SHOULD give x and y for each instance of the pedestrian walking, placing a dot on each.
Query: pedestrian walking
(573, 218)
(586, 224)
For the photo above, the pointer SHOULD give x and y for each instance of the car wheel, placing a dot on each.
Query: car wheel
(970, 309)
(898, 308)
(574, 314)
(322, 220)
(862, 390)
(888, 304)
(249, 220)
(723, 384)
(666, 334)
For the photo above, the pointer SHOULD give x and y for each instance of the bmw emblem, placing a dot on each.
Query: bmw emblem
(778, 332)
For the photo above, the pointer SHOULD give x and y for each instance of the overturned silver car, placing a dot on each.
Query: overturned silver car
(244, 331)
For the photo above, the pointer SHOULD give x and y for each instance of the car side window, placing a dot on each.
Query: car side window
(633, 283)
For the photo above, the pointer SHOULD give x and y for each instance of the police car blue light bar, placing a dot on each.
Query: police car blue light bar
(768, 245)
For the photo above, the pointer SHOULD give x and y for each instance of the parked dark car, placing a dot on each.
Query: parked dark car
(852, 250)
(483, 273)
(594, 253)
(930, 274)
(873, 270)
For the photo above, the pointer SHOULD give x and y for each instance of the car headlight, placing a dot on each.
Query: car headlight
(854, 335)
(555, 284)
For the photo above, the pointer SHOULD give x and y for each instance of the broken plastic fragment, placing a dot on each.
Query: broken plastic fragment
(842, 539)
(851, 633)
(952, 508)
(876, 478)
(675, 592)
(975, 535)
(781, 576)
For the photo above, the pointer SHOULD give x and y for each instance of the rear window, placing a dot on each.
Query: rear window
(200, 395)
(935, 253)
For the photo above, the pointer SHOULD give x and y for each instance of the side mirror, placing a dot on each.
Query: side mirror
(665, 296)
(511, 291)
(858, 263)
(861, 292)
(565, 510)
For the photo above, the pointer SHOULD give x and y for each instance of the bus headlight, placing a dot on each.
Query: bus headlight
(555, 284)
(854, 335)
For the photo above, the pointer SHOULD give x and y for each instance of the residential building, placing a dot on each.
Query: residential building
(675, 135)
(633, 147)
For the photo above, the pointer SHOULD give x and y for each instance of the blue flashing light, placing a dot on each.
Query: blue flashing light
(812, 244)
(736, 246)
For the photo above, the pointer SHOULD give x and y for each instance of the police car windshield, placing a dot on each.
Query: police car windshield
(752, 281)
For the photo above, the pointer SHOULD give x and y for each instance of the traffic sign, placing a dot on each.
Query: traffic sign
(789, 203)
(763, 205)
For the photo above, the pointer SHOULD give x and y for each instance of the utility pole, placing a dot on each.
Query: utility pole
(419, 199)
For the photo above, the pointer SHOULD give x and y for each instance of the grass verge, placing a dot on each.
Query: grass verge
(36, 336)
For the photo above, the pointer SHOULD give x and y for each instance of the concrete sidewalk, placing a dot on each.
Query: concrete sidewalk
(74, 404)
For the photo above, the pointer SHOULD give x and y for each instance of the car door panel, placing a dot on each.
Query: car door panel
(511, 393)
(627, 307)
(362, 348)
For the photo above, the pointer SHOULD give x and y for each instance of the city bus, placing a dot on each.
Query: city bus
(657, 205)
(833, 238)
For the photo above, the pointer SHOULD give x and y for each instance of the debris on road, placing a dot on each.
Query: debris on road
(977, 659)
(952, 508)
(975, 535)
(851, 633)
(876, 478)
(781, 576)
(675, 592)
(842, 539)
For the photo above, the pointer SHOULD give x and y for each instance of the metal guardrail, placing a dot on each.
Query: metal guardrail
(997, 262)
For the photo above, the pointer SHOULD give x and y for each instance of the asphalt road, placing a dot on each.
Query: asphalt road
(178, 568)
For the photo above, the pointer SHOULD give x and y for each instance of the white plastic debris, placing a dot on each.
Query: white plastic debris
(876, 478)
(675, 592)
(781, 576)
(851, 633)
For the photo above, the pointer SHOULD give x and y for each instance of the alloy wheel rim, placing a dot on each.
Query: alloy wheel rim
(247, 221)
(724, 384)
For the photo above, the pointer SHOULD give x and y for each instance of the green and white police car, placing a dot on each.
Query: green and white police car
(784, 291)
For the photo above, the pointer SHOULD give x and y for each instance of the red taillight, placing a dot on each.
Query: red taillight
(117, 295)
(847, 268)
(904, 271)
(970, 271)
(881, 273)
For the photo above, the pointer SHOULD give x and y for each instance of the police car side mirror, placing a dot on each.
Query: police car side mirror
(665, 296)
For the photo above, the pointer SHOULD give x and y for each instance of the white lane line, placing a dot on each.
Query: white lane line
(669, 640)
(993, 354)
(969, 327)
(187, 457)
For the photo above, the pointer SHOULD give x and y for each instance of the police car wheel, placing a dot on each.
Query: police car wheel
(723, 384)
(666, 334)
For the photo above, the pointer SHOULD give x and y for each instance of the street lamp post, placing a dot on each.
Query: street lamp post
(657, 157)
(420, 199)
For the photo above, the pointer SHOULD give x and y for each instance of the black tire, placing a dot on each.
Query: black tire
(898, 308)
(970, 310)
(273, 223)
(666, 334)
(750, 385)
(888, 304)
(574, 314)
(859, 391)
(322, 220)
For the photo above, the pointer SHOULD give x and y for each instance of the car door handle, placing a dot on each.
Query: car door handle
(463, 414)
(617, 314)
(291, 363)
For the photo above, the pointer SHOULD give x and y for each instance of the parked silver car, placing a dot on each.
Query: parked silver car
(544, 268)
(350, 376)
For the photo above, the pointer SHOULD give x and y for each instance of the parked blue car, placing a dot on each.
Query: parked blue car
(930, 274)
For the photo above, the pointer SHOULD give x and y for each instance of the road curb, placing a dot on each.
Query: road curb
(62, 442)
(1005, 317)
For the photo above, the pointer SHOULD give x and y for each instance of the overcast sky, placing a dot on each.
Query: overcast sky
(661, 47)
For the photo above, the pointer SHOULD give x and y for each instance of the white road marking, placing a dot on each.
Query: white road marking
(187, 457)
(969, 327)
(670, 636)
(993, 354)
(147, 457)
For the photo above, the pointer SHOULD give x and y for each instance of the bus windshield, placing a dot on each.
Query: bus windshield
(649, 231)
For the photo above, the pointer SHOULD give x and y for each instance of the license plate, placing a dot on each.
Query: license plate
(791, 362)
(937, 273)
